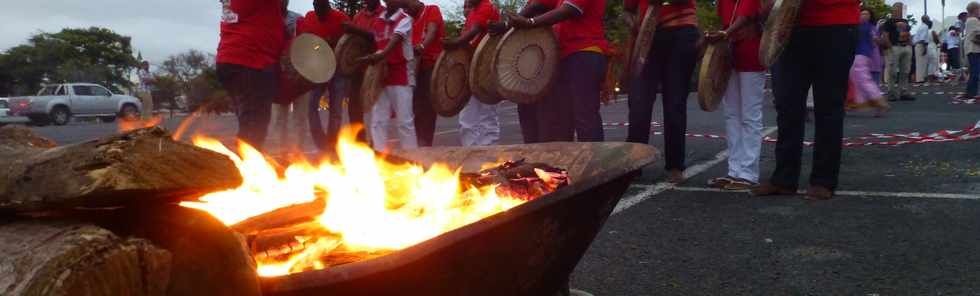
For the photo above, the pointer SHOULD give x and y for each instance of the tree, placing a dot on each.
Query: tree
(95, 55)
(879, 7)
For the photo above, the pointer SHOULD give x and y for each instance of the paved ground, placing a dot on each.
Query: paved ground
(907, 220)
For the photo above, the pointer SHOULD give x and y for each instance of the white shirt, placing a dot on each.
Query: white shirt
(952, 40)
(921, 34)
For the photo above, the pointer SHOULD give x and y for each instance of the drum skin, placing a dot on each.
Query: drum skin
(450, 89)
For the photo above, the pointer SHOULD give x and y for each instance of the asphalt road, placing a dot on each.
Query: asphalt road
(906, 222)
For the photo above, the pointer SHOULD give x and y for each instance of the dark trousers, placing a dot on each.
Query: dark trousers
(425, 115)
(669, 67)
(953, 58)
(572, 109)
(340, 89)
(971, 85)
(808, 61)
(251, 92)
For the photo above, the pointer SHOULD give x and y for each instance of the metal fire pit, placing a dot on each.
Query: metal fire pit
(528, 250)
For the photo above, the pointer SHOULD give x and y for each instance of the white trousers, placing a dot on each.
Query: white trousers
(397, 98)
(743, 123)
(921, 63)
(291, 124)
(479, 124)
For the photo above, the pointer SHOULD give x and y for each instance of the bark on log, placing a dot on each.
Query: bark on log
(132, 167)
(70, 258)
(282, 217)
(208, 257)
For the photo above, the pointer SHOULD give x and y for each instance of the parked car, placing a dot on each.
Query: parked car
(6, 116)
(58, 103)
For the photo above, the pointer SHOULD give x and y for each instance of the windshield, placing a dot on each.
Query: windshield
(48, 90)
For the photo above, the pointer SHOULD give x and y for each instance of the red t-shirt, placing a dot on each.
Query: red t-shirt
(252, 33)
(746, 45)
(328, 29)
(665, 12)
(830, 12)
(365, 18)
(481, 17)
(584, 31)
(430, 14)
(384, 29)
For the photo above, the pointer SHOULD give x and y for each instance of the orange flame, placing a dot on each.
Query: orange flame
(371, 204)
(128, 125)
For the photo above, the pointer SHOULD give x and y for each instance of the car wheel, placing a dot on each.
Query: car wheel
(107, 118)
(60, 115)
(129, 112)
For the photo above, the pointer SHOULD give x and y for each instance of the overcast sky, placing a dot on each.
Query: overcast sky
(164, 27)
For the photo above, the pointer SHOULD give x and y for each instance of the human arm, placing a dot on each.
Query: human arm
(402, 33)
(563, 12)
(355, 30)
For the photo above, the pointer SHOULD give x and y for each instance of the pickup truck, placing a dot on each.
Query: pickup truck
(5, 114)
(58, 103)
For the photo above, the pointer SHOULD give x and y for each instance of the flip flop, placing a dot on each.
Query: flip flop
(740, 184)
(720, 182)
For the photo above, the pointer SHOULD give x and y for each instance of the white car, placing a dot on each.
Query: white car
(6, 115)
(58, 103)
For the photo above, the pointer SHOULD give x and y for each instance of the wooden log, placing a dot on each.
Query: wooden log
(282, 217)
(208, 257)
(71, 258)
(133, 167)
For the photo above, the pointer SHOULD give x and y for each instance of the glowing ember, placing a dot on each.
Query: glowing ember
(126, 125)
(371, 204)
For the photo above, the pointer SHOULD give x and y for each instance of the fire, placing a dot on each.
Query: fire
(371, 204)
(128, 125)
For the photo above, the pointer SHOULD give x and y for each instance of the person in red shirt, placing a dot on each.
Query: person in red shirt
(428, 30)
(744, 97)
(327, 23)
(668, 69)
(392, 32)
(571, 111)
(252, 39)
(479, 122)
(808, 61)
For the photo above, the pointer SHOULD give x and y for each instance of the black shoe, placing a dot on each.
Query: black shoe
(907, 98)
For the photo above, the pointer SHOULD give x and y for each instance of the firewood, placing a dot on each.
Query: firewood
(72, 258)
(282, 217)
(133, 167)
(208, 257)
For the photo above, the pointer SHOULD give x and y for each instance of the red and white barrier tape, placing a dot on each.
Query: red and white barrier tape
(966, 134)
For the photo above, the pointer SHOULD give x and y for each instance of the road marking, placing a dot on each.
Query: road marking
(652, 190)
(851, 193)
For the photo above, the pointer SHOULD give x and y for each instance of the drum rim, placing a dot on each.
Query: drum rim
(490, 95)
(434, 85)
(520, 96)
(323, 48)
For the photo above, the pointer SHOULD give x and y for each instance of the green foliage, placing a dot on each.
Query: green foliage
(708, 19)
(96, 55)
(192, 74)
(879, 7)
(454, 19)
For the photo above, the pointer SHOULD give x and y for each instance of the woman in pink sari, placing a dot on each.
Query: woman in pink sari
(866, 91)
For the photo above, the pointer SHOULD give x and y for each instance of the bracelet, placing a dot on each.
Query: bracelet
(531, 20)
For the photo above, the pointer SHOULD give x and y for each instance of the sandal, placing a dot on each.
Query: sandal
(720, 182)
(740, 184)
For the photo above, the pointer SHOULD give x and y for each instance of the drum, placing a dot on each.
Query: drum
(351, 47)
(482, 80)
(526, 64)
(643, 41)
(450, 88)
(373, 84)
(307, 61)
(716, 68)
(777, 30)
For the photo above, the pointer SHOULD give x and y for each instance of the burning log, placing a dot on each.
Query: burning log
(518, 179)
(282, 217)
(139, 165)
(70, 258)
